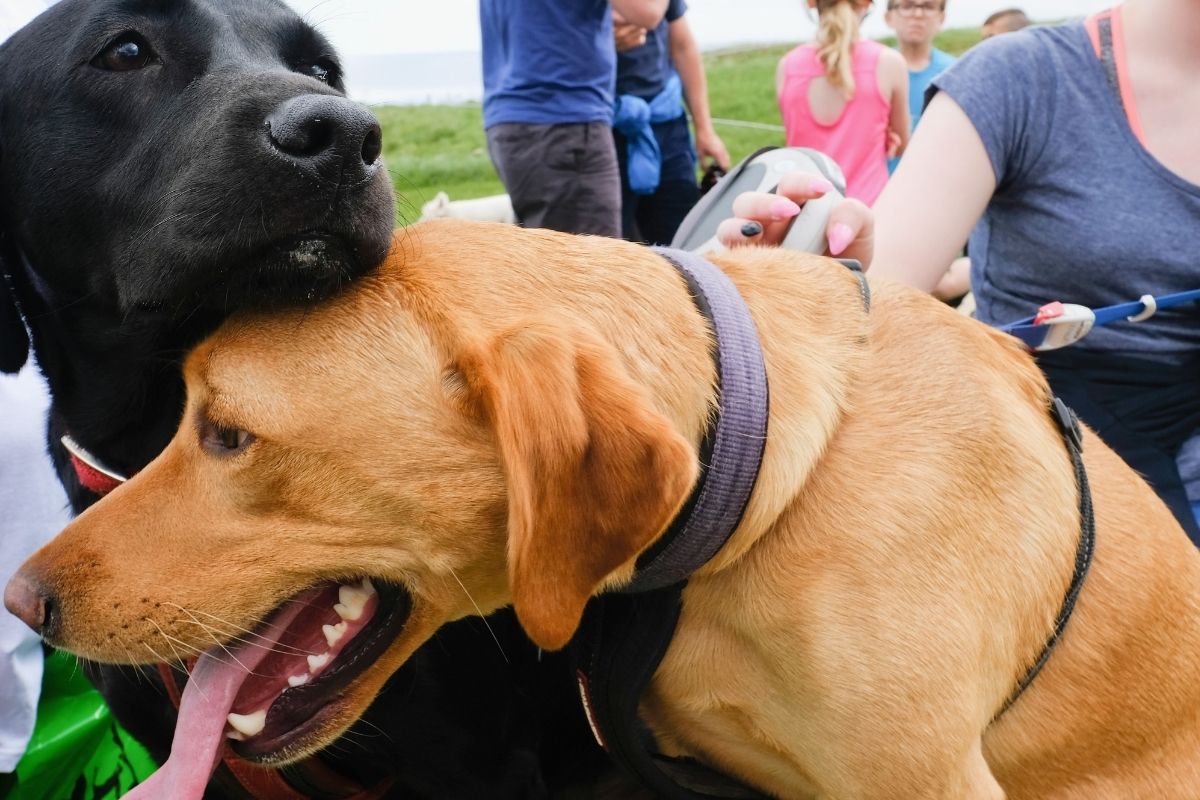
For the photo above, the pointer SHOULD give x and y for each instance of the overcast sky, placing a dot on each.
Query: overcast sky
(410, 26)
(415, 26)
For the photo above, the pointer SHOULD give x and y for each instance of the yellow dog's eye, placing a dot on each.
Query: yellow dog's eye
(221, 440)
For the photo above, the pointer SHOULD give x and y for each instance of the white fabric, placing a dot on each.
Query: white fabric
(33, 507)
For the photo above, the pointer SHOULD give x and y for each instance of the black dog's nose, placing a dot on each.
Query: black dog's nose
(26, 602)
(313, 128)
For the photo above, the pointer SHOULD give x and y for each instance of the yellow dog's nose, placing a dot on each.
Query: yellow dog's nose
(23, 598)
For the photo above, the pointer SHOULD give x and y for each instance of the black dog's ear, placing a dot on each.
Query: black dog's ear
(14, 340)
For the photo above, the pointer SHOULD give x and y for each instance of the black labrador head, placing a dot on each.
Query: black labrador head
(163, 163)
(167, 157)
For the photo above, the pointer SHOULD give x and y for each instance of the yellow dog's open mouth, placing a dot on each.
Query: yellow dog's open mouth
(340, 630)
(269, 692)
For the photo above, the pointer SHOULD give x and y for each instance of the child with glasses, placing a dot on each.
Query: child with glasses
(846, 97)
(916, 22)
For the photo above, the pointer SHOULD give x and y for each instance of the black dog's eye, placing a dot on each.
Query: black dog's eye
(322, 70)
(219, 440)
(127, 52)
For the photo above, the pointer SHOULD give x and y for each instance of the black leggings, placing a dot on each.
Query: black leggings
(1143, 410)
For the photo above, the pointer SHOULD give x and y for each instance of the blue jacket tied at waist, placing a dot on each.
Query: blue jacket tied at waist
(633, 119)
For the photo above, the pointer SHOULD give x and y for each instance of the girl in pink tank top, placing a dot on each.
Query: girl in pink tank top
(839, 70)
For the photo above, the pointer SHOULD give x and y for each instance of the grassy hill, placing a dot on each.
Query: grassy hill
(442, 148)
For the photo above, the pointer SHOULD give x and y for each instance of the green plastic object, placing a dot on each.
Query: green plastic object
(78, 751)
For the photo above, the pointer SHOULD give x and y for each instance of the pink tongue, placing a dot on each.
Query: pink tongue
(203, 709)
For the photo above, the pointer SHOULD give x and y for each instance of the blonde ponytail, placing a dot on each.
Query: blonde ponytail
(837, 31)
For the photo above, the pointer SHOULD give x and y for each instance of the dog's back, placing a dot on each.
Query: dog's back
(918, 567)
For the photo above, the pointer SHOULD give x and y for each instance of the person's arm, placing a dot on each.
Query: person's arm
(685, 55)
(893, 75)
(920, 222)
(645, 13)
(956, 282)
(937, 194)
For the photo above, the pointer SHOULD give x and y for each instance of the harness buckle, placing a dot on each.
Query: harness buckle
(1066, 419)
(1068, 323)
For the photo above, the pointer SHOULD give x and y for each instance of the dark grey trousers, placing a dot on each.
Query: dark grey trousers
(564, 177)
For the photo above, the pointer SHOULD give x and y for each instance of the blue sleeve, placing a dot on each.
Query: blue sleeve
(675, 10)
(1006, 87)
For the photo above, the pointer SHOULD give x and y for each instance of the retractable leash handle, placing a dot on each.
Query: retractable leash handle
(761, 172)
(1060, 324)
(1055, 325)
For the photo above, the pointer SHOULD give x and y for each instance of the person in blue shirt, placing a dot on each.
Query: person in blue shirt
(916, 22)
(549, 74)
(657, 71)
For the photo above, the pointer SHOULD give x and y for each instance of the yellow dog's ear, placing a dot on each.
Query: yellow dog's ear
(594, 472)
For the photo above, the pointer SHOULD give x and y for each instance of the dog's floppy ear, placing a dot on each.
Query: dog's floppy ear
(594, 472)
(14, 341)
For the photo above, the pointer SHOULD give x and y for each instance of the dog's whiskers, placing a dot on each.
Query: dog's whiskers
(277, 647)
(210, 653)
(163, 660)
(479, 611)
(173, 640)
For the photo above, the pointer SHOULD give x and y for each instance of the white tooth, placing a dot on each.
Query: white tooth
(368, 587)
(298, 680)
(249, 724)
(346, 612)
(352, 601)
(333, 632)
(316, 662)
(235, 735)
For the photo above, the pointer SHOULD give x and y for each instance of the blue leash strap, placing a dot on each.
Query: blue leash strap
(1060, 324)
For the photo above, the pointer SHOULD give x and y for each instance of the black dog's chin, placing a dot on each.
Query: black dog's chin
(304, 269)
(308, 268)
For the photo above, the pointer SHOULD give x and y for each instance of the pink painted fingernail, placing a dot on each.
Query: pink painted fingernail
(840, 236)
(784, 209)
(821, 185)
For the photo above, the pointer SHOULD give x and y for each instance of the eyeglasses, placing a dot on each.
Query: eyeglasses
(917, 9)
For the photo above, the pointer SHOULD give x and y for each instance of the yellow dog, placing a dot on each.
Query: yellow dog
(503, 416)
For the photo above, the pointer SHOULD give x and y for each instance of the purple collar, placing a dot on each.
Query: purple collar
(732, 450)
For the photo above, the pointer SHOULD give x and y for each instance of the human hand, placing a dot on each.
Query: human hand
(763, 219)
(626, 35)
(709, 145)
(893, 144)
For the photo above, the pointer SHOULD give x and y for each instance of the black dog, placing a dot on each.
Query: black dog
(163, 163)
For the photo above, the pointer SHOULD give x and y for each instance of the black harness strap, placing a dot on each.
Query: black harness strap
(1073, 436)
(621, 643)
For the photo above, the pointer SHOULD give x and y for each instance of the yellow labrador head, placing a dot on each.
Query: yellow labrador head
(346, 480)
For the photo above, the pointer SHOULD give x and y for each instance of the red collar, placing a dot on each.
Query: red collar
(92, 474)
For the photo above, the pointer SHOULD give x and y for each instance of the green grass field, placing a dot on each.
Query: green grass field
(442, 148)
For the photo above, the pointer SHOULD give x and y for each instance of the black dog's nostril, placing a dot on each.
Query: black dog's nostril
(302, 137)
(318, 131)
(26, 601)
(372, 145)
